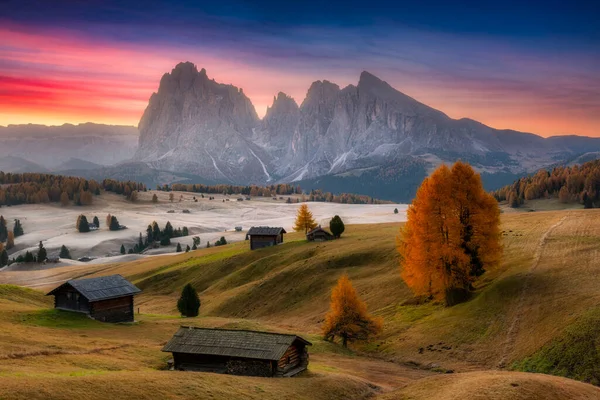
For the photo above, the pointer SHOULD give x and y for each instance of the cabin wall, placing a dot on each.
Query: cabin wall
(70, 299)
(260, 241)
(113, 310)
(223, 364)
(295, 356)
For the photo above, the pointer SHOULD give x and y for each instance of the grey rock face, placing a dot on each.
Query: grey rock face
(196, 125)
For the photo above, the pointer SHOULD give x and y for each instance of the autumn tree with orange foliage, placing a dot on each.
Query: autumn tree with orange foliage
(348, 317)
(304, 220)
(452, 235)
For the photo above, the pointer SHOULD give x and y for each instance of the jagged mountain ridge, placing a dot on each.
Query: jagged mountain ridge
(196, 125)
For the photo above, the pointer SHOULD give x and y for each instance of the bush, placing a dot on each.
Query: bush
(336, 225)
(189, 302)
(221, 241)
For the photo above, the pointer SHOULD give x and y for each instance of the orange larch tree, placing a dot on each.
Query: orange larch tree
(348, 317)
(304, 220)
(452, 235)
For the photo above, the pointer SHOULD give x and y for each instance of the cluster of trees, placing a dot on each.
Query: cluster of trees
(155, 235)
(452, 235)
(35, 188)
(305, 221)
(29, 257)
(343, 198)
(252, 190)
(579, 183)
(112, 222)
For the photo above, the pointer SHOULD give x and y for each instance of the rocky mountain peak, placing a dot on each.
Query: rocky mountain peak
(282, 104)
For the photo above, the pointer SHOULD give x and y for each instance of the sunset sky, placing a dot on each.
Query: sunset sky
(526, 65)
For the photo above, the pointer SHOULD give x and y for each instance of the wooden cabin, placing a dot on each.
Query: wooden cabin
(106, 299)
(238, 352)
(319, 235)
(264, 236)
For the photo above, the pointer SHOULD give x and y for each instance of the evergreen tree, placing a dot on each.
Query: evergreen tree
(122, 249)
(189, 302)
(18, 228)
(178, 248)
(165, 241)
(184, 231)
(154, 198)
(141, 243)
(207, 244)
(96, 221)
(114, 224)
(194, 247)
(82, 224)
(187, 248)
(3, 258)
(42, 254)
(196, 240)
(149, 235)
(3, 229)
(156, 234)
(28, 257)
(168, 231)
(395, 211)
(336, 225)
(64, 252)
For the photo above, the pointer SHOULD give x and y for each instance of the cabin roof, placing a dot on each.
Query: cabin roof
(265, 231)
(318, 229)
(231, 343)
(102, 288)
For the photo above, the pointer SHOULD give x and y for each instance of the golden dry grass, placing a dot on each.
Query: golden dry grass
(287, 288)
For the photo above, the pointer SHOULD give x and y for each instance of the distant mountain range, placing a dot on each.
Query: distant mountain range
(367, 138)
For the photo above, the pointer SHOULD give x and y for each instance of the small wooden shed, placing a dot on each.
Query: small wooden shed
(264, 236)
(319, 235)
(238, 352)
(106, 299)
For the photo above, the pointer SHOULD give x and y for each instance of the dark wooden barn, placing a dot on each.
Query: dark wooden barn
(319, 235)
(238, 352)
(264, 236)
(107, 298)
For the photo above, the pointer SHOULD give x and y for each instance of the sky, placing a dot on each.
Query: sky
(526, 65)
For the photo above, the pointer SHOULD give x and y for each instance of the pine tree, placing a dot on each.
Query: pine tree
(304, 220)
(156, 233)
(3, 258)
(114, 224)
(29, 258)
(194, 247)
(65, 253)
(141, 243)
(452, 235)
(168, 231)
(395, 211)
(18, 228)
(348, 317)
(42, 254)
(187, 248)
(207, 244)
(82, 224)
(189, 302)
(96, 221)
(336, 226)
(154, 198)
(3, 229)
(184, 231)
(178, 248)
(123, 249)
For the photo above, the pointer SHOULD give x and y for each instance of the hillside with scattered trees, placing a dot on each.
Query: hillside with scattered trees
(575, 184)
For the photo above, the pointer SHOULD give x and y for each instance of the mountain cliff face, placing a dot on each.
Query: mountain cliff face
(196, 125)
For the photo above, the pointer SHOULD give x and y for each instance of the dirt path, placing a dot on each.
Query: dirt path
(514, 325)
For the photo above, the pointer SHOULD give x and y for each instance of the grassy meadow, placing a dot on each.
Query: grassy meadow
(537, 312)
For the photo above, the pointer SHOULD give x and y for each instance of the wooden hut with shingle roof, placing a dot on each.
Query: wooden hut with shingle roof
(264, 236)
(238, 352)
(107, 298)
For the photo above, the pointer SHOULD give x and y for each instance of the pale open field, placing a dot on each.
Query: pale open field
(208, 219)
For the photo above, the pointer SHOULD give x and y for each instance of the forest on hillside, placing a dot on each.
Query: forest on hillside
(35, 188)
(574, 184)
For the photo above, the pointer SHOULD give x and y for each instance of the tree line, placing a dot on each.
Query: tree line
(575, 184)
(36, 188)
